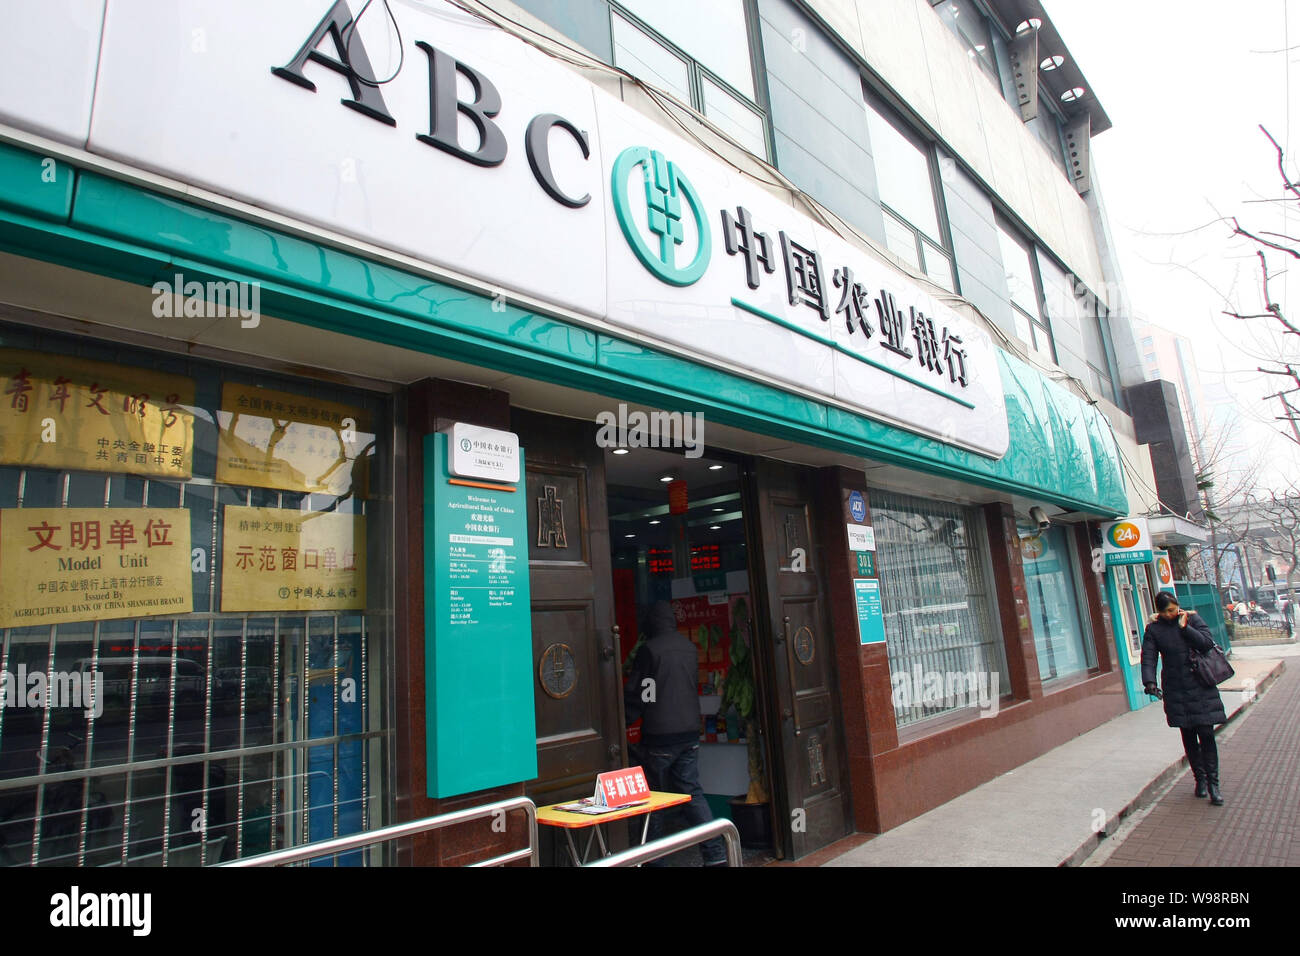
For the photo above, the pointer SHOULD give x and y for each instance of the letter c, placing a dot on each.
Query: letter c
(537, 146)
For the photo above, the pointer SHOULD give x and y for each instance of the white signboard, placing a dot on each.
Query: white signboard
(1127, 541)
(486, 157)
(483, 453)
(861, 537)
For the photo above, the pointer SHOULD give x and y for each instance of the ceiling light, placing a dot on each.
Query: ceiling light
(1069, 96)
(621, 451)
(667, 478)
(719, 509)
(715, 527)
(715, 468)
(656, 521)
(629, 536)
(1033, 23)
(1053, 62)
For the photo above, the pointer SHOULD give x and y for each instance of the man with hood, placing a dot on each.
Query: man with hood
(662, 690)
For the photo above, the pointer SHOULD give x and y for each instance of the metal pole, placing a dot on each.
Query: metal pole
(653, 851)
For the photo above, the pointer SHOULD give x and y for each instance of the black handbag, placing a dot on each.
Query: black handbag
(1210, 667)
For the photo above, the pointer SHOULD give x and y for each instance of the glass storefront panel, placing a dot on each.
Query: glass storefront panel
(1060, 639)
(945, 653)
(253, 716)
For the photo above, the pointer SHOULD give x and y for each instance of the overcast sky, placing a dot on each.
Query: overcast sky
(1187, 84)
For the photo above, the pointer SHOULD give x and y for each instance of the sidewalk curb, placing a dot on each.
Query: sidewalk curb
(1153, 790)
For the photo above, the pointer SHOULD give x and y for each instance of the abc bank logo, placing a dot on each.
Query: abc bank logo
(669, 195)
(1125, 534)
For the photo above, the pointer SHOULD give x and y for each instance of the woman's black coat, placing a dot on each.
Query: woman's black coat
(1188, 702)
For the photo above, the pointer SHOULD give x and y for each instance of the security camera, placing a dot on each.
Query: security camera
(1039, 517)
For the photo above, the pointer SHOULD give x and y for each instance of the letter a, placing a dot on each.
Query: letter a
(352, 62)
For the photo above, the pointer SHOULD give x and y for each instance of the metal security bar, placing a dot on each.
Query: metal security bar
(324, 848)
(679, 841)
(224, 733)
(936, 604)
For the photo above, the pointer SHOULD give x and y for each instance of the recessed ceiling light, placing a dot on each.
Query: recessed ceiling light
(717, 509)
(715, 468)
(1024, 26)
(629, 536)
(621, 451)
(1053, 62)
(656, 521)
(1069, 96)
(667, 478)
(715, 527)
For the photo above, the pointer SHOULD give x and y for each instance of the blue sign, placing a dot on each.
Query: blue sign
(857, 506)
(871, 622)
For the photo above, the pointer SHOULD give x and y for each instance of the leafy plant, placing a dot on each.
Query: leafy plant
(739, 691)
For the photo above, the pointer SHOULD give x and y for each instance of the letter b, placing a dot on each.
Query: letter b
(444, 108)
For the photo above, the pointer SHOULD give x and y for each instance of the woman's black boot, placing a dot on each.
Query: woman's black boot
(1201, 790)
(1212, 784)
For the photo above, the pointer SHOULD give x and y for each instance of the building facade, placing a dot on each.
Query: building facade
(365, 381)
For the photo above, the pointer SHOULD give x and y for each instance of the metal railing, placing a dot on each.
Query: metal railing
(671, 844)
(321, 848)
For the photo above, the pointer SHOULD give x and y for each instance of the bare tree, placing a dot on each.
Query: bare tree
(1224, 491)
(1279, 514)
(1274, 247)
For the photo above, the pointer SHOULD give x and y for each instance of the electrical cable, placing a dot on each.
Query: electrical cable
(350, 30)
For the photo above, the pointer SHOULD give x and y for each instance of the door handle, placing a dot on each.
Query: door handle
(607, 650)
(791, 712)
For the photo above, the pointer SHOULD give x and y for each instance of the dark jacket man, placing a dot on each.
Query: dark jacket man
(669, 659)
(1188, 702)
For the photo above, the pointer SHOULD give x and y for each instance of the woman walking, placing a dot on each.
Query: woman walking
(1189, 705)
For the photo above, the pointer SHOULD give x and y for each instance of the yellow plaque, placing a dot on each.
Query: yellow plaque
(273, 559)
(76, 414)
(291, 442)
(91, 564)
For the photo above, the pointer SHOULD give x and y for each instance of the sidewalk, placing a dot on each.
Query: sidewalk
(1043, 812)
(1259, 824)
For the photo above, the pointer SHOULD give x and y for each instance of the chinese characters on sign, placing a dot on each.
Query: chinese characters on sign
(60, 565)
(279, 440)
(81, 415)
(937, 350)
(274, 559)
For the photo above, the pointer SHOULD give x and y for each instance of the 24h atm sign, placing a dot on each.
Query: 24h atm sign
(1127, 541)
(481, 156)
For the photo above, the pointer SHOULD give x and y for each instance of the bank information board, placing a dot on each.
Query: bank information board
(59, 565)
(478, 631)
(871, 622)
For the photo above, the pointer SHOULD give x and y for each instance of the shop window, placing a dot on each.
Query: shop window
(904, 167)
(250, 717)
(1062, 642)
(944, 650)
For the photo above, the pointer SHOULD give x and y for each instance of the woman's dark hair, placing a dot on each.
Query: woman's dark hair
(1164, 599)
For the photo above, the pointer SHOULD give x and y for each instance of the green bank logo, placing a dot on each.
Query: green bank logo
(665, 188)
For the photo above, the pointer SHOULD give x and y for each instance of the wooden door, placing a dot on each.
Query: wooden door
(578, 688)
(802, 686)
